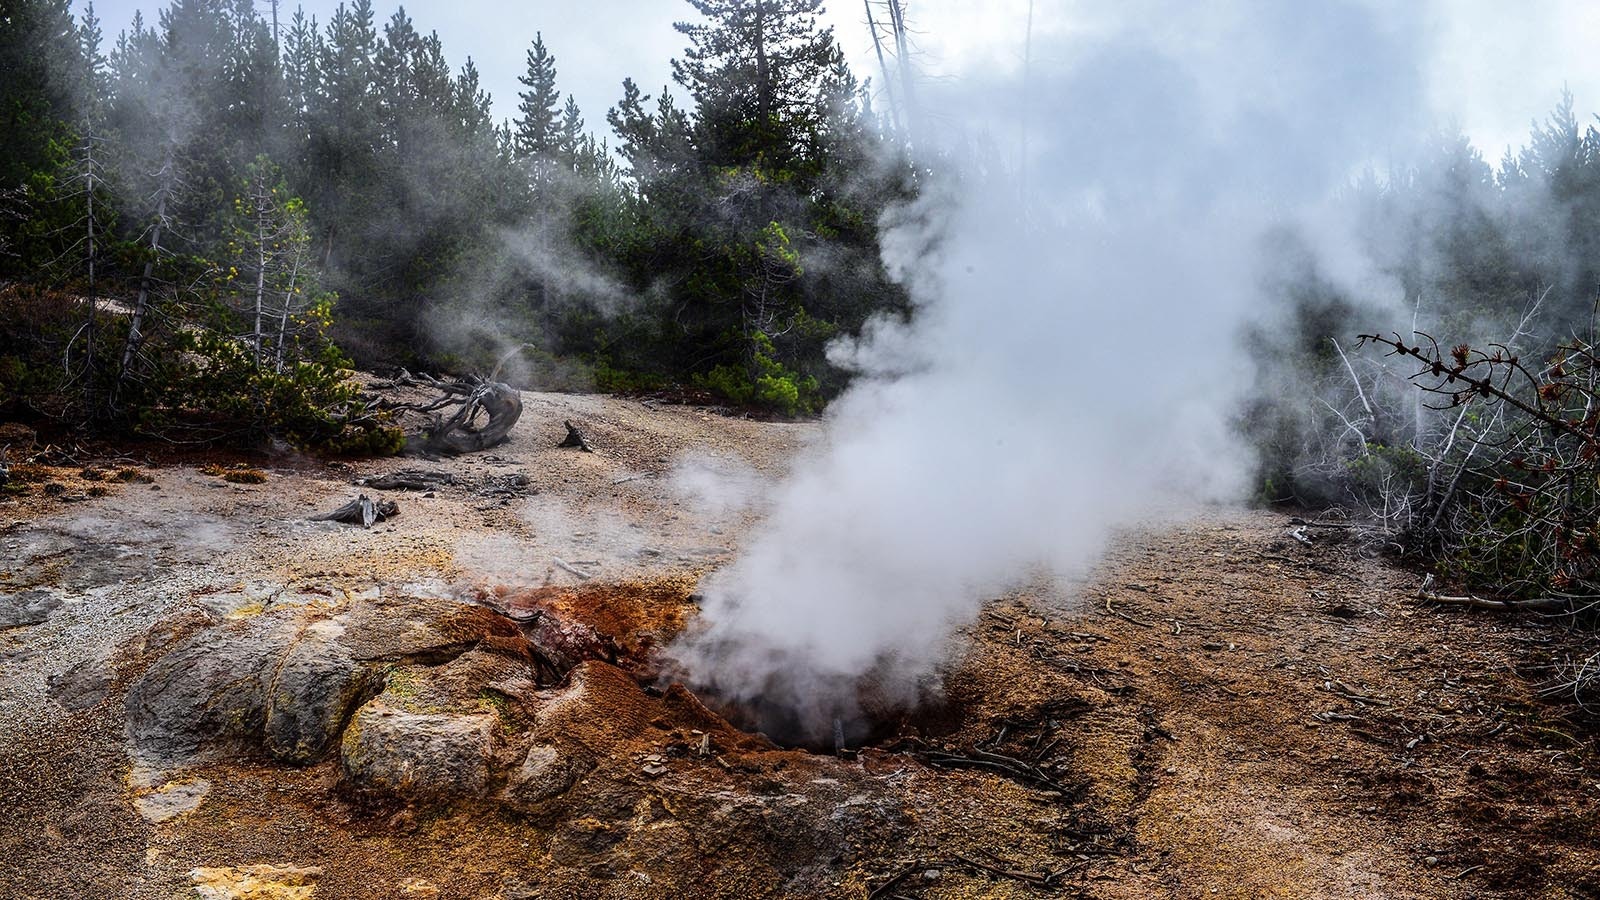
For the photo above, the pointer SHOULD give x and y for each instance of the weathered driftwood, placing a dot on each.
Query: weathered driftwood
(363, 511)
(459, 432)
(575, 438)
(581, 574)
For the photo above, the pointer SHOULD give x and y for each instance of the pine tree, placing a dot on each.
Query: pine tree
(658, 146)
(570, 135)
(538, 138)
(343, 123)
(753, 68)
(395, 86)
(257, 98)
(301, 54)
(89, 185)
(472, 105)
(41, 61)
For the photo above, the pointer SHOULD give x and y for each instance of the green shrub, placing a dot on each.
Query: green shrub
(1398, 470)
(771, 386)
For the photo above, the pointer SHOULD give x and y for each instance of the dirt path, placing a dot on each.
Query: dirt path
(1218, 711)
(1272, 719)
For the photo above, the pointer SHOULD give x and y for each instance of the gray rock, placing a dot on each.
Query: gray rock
(210, 689)
(27, 608)
(438, 756)
(317, 686)
(546, 773)
(82, 686)
(420, 629)
(284, 682)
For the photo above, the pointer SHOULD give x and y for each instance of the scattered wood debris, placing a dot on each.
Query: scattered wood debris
(1545, 604)
(514, 484)
(1125, 617)
(932, 870)
(408, 480)
(1340, 689)
(1016, 769)
(568, 567)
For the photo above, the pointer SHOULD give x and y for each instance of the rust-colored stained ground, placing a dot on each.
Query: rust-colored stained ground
(640, 615)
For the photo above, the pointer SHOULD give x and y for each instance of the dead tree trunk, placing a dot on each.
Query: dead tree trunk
(883, 66)
(363, 511)
(575, 438)
(165, 186)
(262, 201)
(459, 433)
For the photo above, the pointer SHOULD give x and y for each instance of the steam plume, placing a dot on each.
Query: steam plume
(1070, 369)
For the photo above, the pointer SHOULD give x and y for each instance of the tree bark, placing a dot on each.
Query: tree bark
(261, 201)
(136, 326)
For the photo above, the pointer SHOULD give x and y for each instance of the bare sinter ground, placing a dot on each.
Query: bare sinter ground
(1219, 711)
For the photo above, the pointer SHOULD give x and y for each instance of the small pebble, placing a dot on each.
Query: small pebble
(1430, 861)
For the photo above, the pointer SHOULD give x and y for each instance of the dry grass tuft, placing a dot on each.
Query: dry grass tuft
(235, 474)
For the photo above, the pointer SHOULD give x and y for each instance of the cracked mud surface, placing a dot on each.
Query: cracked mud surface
(1216, 711)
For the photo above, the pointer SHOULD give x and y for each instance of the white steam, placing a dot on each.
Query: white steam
(1073, 364)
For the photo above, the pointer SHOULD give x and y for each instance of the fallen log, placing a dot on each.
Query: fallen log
(1543, 604)
(408, 480)
(571, 569)
(1557, 603)
(363, 511)
(1000, 764)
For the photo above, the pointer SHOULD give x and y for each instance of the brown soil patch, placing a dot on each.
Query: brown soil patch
(638, 616)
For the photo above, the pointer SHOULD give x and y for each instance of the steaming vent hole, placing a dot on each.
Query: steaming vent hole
(628, 624)
(840, 726)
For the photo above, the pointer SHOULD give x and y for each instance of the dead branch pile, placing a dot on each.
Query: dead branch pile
(1511, 498)
(1516, 503)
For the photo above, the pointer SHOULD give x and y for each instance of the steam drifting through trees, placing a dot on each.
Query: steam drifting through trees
(231, 191)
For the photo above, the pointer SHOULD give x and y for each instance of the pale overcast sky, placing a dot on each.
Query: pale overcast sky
(1489, 65)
